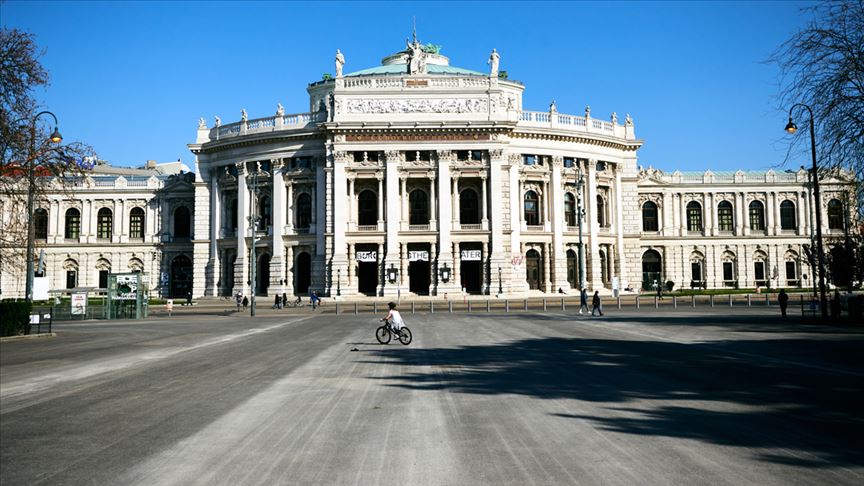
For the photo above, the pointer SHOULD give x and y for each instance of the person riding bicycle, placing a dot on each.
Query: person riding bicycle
(394, 319)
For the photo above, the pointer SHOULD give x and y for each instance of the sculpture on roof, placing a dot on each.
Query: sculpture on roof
(243, 115)
(218, 121)
(340, 61)
(494, 58)
(416, 57)
(628, 121)
(280, 110)
(553, 108)
(202, 123)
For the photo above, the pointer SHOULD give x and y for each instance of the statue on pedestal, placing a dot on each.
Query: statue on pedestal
(243, 115)
(340, 61)
(280, 110)
(493, 61)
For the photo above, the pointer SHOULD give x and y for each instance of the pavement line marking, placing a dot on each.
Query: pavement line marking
(713, 345)
(87, 370)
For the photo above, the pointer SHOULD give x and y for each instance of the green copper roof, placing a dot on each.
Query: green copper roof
(397, 69)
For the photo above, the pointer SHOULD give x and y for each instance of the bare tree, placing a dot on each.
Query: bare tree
(823, 66)
(26, 144)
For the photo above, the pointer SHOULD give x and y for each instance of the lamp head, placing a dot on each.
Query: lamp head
(791, 127)
(55, 136)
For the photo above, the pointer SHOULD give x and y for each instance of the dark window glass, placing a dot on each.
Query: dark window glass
(649, 217)
(234, 213)
(104, 223)
(136, 223)
(757, 216)
(367, 208)
(182, 222)
(696, 271)
(304, 210)
(469, 207)
(835, 214)
(529, 159)
(532, 203)
(71, 279)
(418, 204)
(73, 224)
(787, 215)
(570, 209)
(728, 273)
(265, 211)
(40, 224)
(791, 271)
(103, 279)
(759, 270)
(601, 211)
(694, 216)
(569, 162)
(724, 216)
(652, 267)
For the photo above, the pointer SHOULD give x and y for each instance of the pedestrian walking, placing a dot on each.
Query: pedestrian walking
(583, 300)
(238, 298)
(189, 298)
(313, 299)
(284, 300)
(277, 302)
(245, 302)
(659, 292)
(783, 300)
(596, 304)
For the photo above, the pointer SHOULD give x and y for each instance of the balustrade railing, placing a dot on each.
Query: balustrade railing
(471, 227)
(567, 122)
(369, 227)
(418, 227)
(533, 227)
(271, 123)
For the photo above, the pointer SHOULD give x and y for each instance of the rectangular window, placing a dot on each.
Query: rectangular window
(103, 279)
(728, 271)
(791, 271)
(529, 159)
(696, 271)
(71, 279)
(569, 162)
(759, 270)
(477, 155)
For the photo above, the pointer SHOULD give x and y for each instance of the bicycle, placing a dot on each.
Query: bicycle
(385, 333)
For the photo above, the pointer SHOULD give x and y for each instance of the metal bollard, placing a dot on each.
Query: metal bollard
(637, 301)
(544, 304)
(469, 306)
(619, 302)
(355, 308)
(712, 300)
(374, 307)
(431, 306)
(656, 302)
(730, 300)
(412, 307)
(506, 305)
(526, 305)
(693, 301)
(749, 301)
(563, 307)
(337, 308)
(767, 301)
(675, 301)
(450, 306)
(487, 305)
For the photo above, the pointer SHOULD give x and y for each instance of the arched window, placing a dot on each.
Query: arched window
(649, 217)
(367, 208)
(652, 267)
(40, 224)
(73, 224)
(304, 210)
(532, 209)
(136, 224)
(469, 207)
(694, 216)
(570, 208)
(757, 216)
(182, 222)
(787, 215)
(572, 269)
(418, 211)
(104, 224)
(835, 214)
(601, 211)
(265, 211)
(725, 220)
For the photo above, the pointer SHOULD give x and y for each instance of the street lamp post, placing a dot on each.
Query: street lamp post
(792, 128)
(254, 219)
(31, 188)
(500, 290)
(338, 282)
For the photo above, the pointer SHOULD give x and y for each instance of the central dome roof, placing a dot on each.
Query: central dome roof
(397, 64)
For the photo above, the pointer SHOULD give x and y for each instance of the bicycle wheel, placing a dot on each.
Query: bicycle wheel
(405, 336)
(382, 334)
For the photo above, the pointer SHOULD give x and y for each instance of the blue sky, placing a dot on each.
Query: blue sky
(132, 78)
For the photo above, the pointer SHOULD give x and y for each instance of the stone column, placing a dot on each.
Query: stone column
(120, 235)
(445, 213)
(403, 265)
(379, 266)
(621, 257)
(745, 214)
(485, 276)
(213, 229)
(777, 222)
(770, 222)
(593, 228)
(403, 199)
(380, 177)
(290, 271)
(558, 225)
(514, 275)
(457, 266)
(289, 206)
(547, 268)
(351, 270)
(497, 186)
(352, 202)
(433, 207)
(393, 201)
(241, 269)
(455, 198)
(485, 202)
(801, 223)
(684, 222)
(433, 269)
(277, 265)
(707, 211)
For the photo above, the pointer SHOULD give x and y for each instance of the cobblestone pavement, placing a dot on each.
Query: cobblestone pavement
(666, 397)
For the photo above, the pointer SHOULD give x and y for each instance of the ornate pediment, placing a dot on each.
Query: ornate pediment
(651, 175)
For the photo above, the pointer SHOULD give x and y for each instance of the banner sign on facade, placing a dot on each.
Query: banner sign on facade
(418, 256)
(79, 304)
(367, 256)
(471, 255)
(127, 287)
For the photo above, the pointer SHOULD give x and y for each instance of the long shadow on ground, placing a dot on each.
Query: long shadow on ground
(754, 402)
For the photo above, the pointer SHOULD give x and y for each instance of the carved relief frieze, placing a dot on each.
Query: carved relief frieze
(342, 157)
(514, 158)
(425, 105)
(532, 186)
(496, 153)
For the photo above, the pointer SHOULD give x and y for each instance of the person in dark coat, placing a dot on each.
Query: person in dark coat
(583, 300)
(596, 306)
(284, 300)
(783, 300)
(245, 302)
(277, 302)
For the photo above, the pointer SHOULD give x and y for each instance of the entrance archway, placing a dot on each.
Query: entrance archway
(228, 278)
(181, 277)
(532, 269)
(303, 273)
(262, 275)
(418, 277)
(572, 269)
(652, 266)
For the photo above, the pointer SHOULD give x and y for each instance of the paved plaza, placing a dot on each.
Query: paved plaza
(729, 396)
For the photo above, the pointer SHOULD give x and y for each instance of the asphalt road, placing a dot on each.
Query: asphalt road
(665, 398)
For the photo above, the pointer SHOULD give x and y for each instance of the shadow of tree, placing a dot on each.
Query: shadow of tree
(750, 400)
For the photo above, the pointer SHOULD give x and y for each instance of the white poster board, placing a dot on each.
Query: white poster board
(418, 256)
(79, 304)
(367, 256)
(471, 255)
(40, 288)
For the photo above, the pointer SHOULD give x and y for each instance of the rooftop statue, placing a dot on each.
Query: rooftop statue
(340, 62)
(243, 115)
(416, 57)
(493, 61)
(202, 123)
(280, 110)
(218, 121)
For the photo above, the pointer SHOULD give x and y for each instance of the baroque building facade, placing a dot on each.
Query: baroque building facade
(419, 178)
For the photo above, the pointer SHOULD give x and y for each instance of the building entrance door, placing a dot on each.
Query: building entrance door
(532, 268)
(367, 277)
(418, 277)
(303, 273)
(472, 276)
(181, 277)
